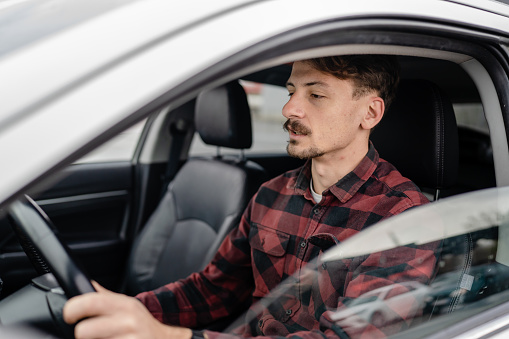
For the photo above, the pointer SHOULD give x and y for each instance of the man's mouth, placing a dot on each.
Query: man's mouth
(296, 127)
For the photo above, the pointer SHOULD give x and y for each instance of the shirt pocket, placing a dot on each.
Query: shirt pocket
(268, 250)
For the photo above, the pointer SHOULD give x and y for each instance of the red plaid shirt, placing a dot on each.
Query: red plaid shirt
(281, 230)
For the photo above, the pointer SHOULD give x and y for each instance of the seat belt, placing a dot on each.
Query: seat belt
(178, 131)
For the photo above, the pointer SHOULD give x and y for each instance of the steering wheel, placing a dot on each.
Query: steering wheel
(39, 229)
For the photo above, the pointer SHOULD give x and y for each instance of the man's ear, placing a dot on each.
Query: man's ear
(375, 112)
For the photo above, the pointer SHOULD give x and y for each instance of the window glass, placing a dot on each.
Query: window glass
(414, 274)
(471, 115)
(266, 103)
(476, 168)
(120, 148)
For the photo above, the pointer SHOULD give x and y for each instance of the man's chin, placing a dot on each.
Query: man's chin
(304, 154)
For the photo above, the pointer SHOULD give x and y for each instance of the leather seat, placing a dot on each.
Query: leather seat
(204, 201)
(418, 134)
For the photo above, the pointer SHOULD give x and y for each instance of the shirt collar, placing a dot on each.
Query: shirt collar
(346, 187)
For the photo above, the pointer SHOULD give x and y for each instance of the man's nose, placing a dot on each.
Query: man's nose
(293, 108)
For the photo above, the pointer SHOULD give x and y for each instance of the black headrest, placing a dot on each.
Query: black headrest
(418, 135)
(223, 118)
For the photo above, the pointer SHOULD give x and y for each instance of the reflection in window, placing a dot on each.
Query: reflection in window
(424, 270)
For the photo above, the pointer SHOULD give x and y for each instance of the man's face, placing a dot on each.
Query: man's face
(323, 118)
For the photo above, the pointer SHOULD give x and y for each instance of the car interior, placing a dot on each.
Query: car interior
(204, 200)
(128, 221)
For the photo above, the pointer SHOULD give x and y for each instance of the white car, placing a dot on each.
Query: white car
(380, 306)
(77, 76)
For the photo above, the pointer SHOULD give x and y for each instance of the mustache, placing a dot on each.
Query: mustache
(295, 126)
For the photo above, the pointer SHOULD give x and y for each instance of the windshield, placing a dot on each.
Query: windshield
(420, 272)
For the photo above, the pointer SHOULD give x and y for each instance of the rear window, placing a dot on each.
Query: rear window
(471, 115)
(266, 103)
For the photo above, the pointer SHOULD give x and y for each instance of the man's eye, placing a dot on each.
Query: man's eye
(290, 94)
(316, 96)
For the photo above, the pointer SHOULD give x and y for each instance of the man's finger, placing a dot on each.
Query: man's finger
(88, 305)
(100, 327)
(98, 287)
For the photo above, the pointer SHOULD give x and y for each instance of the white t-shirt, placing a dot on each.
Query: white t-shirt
(316, 197)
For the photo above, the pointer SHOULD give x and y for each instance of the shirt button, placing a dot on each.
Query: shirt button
(288, 312)
(316, 211)
(303, 244)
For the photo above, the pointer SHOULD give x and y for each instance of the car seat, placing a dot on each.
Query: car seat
(204, 201)
(420, 137)
(418, 134)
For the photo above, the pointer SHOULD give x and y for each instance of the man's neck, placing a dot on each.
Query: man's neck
(328, 169)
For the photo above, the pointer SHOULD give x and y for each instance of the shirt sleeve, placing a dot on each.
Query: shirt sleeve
(215, 293)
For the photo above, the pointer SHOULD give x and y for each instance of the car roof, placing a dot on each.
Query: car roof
(98, 37)
(29, 21)
(494, 6)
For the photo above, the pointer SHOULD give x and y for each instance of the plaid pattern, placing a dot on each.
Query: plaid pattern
(281, 230)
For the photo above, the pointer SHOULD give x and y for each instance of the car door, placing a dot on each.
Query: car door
(90, 204)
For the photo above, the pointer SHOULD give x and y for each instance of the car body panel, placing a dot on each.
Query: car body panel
(149, 46)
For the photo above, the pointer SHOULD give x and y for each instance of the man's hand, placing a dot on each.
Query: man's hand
(107, 314)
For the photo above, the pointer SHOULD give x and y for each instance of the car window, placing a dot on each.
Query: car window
(361, 300)
(119, 148)
(266, 103)
(420, 272)
(399, 290)
(471, 115)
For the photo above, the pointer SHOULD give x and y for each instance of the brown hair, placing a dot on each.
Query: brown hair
(369, 73)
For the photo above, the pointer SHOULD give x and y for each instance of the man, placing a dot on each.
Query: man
(343, 188)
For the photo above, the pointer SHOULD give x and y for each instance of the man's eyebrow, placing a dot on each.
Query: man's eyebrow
(309, 84)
